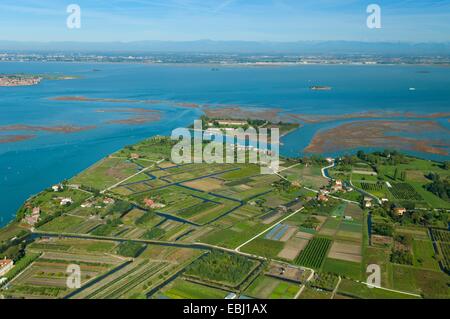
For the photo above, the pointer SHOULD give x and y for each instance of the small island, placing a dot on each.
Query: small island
(228, 123)
(19, 80)
(321, 88)
(11, 80)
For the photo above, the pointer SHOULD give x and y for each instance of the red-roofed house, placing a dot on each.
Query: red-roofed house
(5, 266)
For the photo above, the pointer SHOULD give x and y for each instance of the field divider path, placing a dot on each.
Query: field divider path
(286, 168)
(130, 177)
(336, 288)
(268, 229)
(302, 288)
(391, 290)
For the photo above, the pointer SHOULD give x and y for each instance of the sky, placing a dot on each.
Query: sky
(252, 20)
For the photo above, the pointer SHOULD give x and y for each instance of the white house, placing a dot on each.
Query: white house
(57, 188)
(368, 202)
(66, 201)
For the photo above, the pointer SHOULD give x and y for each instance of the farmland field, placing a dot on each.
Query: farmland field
(183, 289)
(443, 241)
(444, 248)
(46, 277)
(106, 173)
(404, 191)
(343, 268)
(266, 287)
(264, 247)
(359, 290)
(372, 186)
(424, 255)
(223, 268)
(314, 254)
(314, 293)
(431, 284)
(441, 235)
(173, 231)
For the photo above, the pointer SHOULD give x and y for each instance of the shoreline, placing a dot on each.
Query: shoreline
(351, 151)
(186, 64)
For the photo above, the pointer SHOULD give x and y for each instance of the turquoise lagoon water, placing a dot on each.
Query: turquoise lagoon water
(29, 166)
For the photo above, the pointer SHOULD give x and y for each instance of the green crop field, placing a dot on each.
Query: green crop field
(314, 254)
(424, 255)
(444, 249)
(182, 289)
(343, 268)
(441, 235)
(404, 191)
(264, 247)
(443, 241)
(224, 268)
(359, 290)
(266, 287)
(371, 186)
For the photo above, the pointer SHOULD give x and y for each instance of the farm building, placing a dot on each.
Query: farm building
(337, 186)
(322, 198)
(66, 201)
(108, 201)
(232, 122)
(151, 204)
(34, 217)
(399, 211)
(5, 266)
(297, 184)
(57, 188)
(368, 202)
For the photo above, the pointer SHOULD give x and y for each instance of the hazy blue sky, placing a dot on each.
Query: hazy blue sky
(271, 20)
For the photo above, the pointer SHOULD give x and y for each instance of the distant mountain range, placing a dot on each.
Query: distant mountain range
(238, 47)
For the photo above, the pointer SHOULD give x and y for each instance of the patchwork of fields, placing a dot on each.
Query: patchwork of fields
(139, 226)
